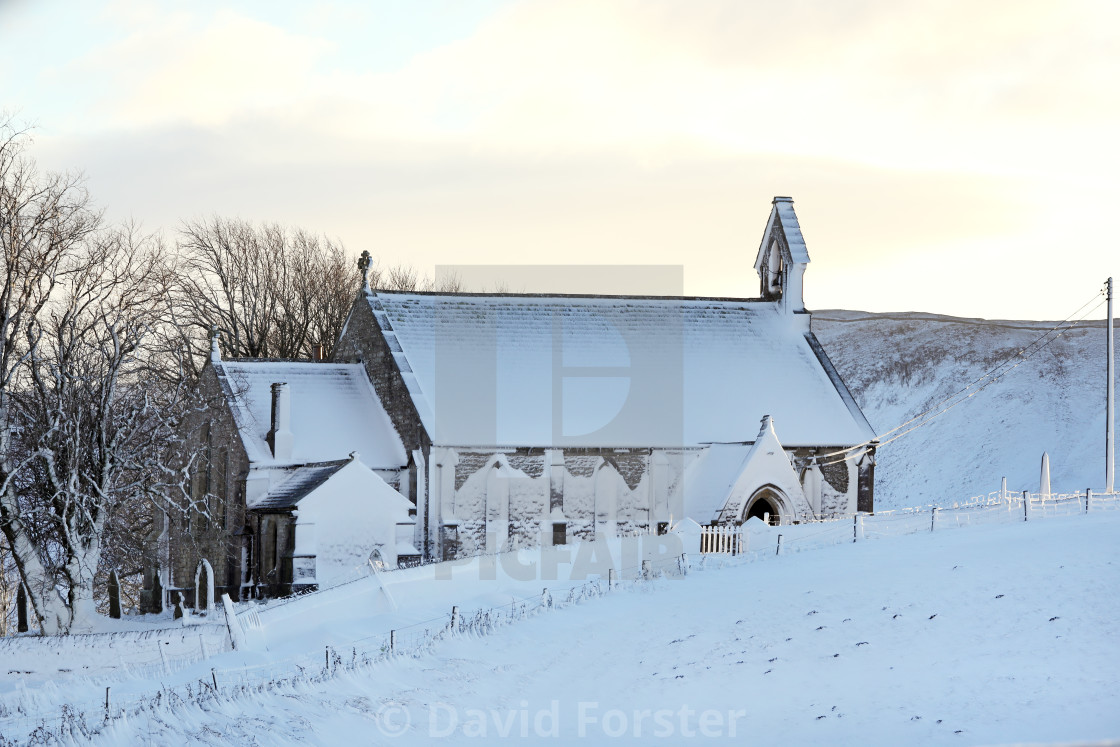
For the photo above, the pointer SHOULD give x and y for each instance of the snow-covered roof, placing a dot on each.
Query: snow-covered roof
(294, 483)
(783, 206)
(783, 216)
(334, 411)
(708, 480)
(529, 370)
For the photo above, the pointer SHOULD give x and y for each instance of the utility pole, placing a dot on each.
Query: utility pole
(1110, 405)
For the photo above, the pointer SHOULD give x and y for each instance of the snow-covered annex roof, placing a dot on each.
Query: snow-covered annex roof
(297, 482)
(334, 411)
(606, 371)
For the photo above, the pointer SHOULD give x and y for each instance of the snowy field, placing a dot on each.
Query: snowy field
(988, 634)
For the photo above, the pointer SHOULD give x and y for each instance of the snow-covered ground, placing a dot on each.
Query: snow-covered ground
(978, 635)
(899, 365)
(987, 634)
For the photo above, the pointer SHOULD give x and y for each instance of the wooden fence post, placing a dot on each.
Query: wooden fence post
(106, 704)
(610, 578)
(454, 619)
(392, 641)
(779, 550)
(933, 519)
(1088, 498)
(1026, 506)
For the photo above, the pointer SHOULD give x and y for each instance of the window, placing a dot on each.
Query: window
(274, 532)
(559, 533)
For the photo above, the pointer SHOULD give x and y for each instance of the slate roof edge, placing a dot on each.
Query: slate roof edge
(444, 294)
(838, 382)
(236, 414)
(307, 361)
(287, 502)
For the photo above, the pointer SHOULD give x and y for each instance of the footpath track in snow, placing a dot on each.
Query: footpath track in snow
(572, 654)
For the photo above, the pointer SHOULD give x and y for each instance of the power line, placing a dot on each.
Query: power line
(972, 388)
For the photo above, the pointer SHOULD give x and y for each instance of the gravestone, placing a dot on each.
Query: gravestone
(157, 593)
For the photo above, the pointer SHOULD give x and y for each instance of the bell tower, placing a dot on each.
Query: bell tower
(782, 258)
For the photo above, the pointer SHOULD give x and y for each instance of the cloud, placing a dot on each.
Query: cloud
(184, 68)
(940, 135)
(896, 84)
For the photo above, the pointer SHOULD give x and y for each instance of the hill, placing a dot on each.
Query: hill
(899, 365)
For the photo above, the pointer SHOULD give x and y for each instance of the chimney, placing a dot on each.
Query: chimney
(280, 437)
(317, 352)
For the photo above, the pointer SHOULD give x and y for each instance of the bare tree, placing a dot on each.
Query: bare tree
(89, 409)
(95, 422)
(44, 219)
(9, 588)
(272, 291)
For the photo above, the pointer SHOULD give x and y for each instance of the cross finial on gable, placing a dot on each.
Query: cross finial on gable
(364, 263)
(215, 351)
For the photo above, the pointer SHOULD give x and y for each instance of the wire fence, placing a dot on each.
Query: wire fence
(37, 719)
(33, 722)
(995, 508)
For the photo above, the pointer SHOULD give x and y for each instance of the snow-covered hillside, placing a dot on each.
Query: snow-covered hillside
(898, 365)
(984, 634)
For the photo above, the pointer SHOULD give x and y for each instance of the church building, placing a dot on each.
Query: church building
(454, 424)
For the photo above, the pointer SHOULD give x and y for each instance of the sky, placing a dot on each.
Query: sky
(943, 156)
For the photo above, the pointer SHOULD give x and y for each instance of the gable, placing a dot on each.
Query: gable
(347, 516)
(725, 476)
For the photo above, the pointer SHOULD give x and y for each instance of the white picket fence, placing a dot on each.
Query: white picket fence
(722, 539)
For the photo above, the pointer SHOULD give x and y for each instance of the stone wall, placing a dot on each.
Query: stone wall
(362, 340)
(205, 526)
(596, 491)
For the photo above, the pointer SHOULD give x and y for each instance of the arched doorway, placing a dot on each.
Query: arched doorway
(767, 501)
